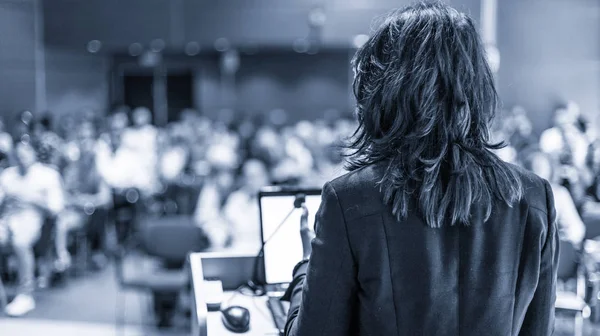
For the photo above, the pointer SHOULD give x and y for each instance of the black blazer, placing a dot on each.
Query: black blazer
(372, 275)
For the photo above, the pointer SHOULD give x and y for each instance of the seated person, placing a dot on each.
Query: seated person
(141, 140)
(86, 193)
(31, 192)
(241, 210)
(5, 146)
(594, 169)
(207, 214)
(572, 228)
(566, 138)
(119, 161)
(48, 145)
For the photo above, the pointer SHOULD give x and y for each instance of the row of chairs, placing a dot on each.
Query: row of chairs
(44, 249)
(96, 227)
(578, 265)
(164, 244)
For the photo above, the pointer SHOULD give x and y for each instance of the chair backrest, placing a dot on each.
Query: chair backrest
(172, 238)
(568, 261)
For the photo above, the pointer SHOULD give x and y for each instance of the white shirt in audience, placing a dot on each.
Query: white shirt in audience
(570, 224)
(208, 216)
(40, 185)
(172, 162)
(552, 141)
(122, 169)
(243, 214)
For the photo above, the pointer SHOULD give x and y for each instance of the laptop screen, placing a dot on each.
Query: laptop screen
(283, 246)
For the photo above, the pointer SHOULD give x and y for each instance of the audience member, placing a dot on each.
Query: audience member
(140, 142)
(570, 224)
(32, 192)
(6, 143)
(241, 210)
(221, 167)
(86, 193)
(47, 143)
(208, 212)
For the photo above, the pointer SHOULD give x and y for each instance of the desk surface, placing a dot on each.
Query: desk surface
(261, 322)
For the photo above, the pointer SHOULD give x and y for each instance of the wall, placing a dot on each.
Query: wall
(303, 85)
(75, 80)
(17, 57)
(550, 53)
(265, 22)
(37, 78)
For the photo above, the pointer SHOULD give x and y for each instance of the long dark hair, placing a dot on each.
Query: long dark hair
(425, 102)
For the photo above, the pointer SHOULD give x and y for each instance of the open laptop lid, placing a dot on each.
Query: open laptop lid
(281, 236)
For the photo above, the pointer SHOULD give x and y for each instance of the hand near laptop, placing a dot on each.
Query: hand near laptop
(306, 234)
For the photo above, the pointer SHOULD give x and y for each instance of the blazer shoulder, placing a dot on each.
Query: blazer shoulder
(358, 192)
(534, 188)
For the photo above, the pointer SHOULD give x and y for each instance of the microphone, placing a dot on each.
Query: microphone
(300, 200)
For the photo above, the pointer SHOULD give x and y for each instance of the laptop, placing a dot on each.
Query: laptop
(280, 232)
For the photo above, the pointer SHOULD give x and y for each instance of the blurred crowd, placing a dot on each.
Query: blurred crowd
(567, 155)
(85, 178)
(93, 177)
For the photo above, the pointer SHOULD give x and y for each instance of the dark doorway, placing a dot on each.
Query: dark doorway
(179, 93)
(138, 91)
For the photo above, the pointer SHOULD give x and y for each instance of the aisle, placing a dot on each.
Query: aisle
(21, 327)
(91, 298)
(84, 306)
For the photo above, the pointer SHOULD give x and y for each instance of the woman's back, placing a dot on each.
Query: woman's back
(382, 276)
(431, 233)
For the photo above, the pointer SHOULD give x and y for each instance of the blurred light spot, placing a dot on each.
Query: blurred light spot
(222, 44)
(150, 59)
(157, 45)
(192, 48)
(26, 117)
(89, 209)
(170, 207)
(154, 206)
(135, 49)
(188, 179)
(94, 46)
(304, 129)
(73, 153)
(359, 40)
(317, 17)
(301, 45)
(230, 61)
(25, 138)
(278, 117)
(132, 196)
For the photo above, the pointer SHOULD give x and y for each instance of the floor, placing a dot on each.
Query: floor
(87, 305)
(20, 327)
